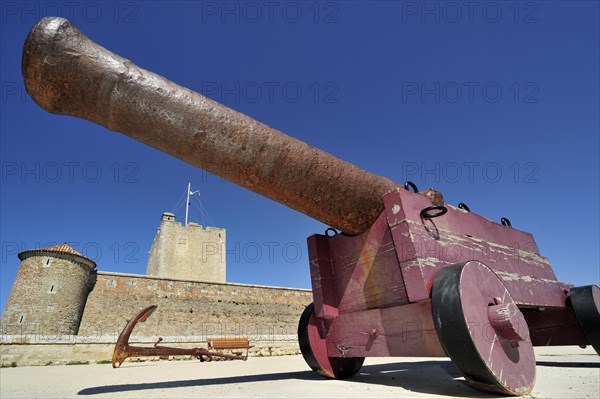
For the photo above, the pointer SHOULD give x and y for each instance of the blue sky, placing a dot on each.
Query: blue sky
(495, 104)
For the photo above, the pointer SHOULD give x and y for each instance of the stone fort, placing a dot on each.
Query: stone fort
(61, 308)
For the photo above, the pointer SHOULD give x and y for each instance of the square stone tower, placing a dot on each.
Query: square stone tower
(190, 252)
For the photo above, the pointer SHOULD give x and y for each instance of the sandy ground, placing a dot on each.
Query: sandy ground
(565, 372)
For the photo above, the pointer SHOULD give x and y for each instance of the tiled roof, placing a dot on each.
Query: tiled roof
(62, 248)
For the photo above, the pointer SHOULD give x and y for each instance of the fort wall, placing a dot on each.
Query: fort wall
(62, 310)
(193, 308)
(189, 251)
(42, 350)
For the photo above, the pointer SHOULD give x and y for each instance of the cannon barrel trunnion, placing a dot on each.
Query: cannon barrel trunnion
(410, 276)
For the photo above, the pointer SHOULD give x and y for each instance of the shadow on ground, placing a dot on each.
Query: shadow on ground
(569, 364)
(429, 377)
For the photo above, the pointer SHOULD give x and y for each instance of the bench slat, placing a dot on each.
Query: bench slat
(229, 343)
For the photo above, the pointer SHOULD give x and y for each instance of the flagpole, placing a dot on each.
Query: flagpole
(187, 203)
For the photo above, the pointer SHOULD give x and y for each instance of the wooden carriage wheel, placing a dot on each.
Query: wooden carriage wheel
(586, 305)
(482, 330)
(314, 350)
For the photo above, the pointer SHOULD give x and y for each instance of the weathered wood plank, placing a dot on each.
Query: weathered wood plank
(424, 246)
(554, 327)
(404, 330)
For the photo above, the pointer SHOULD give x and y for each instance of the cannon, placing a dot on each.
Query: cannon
(399, 273)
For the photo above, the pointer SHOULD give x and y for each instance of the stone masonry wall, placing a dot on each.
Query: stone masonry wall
(49, 292)
(41, 350)
(188, 252)
(191, 308)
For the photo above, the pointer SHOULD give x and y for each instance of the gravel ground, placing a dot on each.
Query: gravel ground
(562, 372)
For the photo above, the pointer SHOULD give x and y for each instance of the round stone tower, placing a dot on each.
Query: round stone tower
(50, 291)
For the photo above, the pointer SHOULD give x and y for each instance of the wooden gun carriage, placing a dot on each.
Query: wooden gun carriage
(408, 274)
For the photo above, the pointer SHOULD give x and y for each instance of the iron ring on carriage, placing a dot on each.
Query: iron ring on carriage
(426, 213)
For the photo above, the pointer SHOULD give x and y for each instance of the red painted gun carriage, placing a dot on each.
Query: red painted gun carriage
(438, 280)
(408, 275)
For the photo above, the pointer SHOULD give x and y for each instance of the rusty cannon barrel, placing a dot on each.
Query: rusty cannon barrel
(67, 73)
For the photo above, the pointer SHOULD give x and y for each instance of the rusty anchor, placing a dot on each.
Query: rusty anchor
(123, 350)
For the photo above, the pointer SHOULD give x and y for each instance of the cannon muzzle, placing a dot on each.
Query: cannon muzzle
(67, 73)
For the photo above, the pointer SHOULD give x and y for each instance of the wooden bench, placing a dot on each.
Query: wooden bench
(229, 343)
